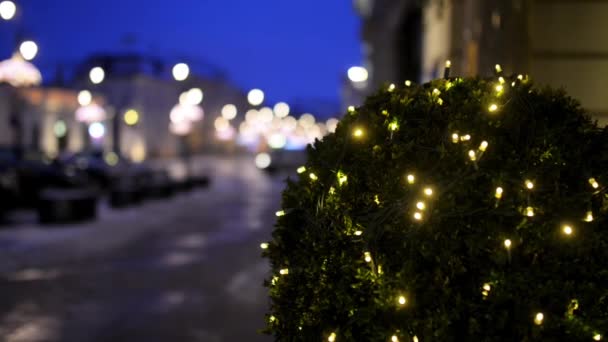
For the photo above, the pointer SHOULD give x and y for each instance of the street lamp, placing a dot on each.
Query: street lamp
(7, 10)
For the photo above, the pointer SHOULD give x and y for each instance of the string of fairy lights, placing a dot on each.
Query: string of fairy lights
(420, 210)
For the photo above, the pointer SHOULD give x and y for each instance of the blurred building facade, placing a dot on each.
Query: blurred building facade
(48, 121)
(556, 42)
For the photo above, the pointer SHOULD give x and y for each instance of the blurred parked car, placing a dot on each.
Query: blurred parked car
(8, 182)
(22, 180)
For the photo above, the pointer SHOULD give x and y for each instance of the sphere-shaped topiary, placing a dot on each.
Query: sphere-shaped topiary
(457, 210)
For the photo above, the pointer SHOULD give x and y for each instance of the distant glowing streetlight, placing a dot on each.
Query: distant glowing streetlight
(262, 160)
(229, 111)
(281, 109)
(84, 98)
(131, 117)
(255, 97)
(7, 10)
(194, 96)
(181, 71)
(357, 74)
(97, 75)
(97, 130)
(28, 49)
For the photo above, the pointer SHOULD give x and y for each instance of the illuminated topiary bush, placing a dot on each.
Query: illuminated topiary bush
(458, 210)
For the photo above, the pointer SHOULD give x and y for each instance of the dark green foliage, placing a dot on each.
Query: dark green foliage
(441, 263)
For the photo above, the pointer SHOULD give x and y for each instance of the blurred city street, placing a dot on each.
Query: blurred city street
(183, 269)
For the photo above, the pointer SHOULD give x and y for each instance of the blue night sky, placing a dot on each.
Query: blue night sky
(291, 49)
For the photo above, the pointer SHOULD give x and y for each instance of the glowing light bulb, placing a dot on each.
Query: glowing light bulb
(483, 146)
(411, 179)
(530, 212)
(272, 318)
(280, 213)
(465, 137)
(264, 245)
(417, 216)
(331, 337)
(455, 138)
(448, 63)
(589, 217)
(567, 230)
(472, 155)
(402, 300)
(358, 133)
(394, 338)
(487, 287)
(436, 92)
(507, 243)
(391, 87)
(499, 88)
(538, 318)
(420, 205)
(284, 271)
(529, 185)
(415, 338)
(393, 126)
(351, 109)
(313, 176)
(368, 257)
(428, 191)
(597, 337)
(358, 233)
(498, 193)
(594, 183)
(501, 80)
(408, 83)
(301, 169)
(520, 77)
(498, 68)
(341, 178)
(493, 107)
(377, 199)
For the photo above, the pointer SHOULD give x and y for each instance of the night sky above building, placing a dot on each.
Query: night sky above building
(290, 49)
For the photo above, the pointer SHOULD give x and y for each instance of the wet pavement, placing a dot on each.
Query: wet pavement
(185, 269)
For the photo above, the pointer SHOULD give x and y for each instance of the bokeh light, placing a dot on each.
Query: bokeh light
(84, 98)
(97, 130)
(229, 111)
(262, 160)
(357, 74)
(131, 117)
(281, 109)
(255, 97)
(97, 75)
(28, 50)
(7, 10)
(180, 71)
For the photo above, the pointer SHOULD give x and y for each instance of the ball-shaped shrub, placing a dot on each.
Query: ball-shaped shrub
(457, 210)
